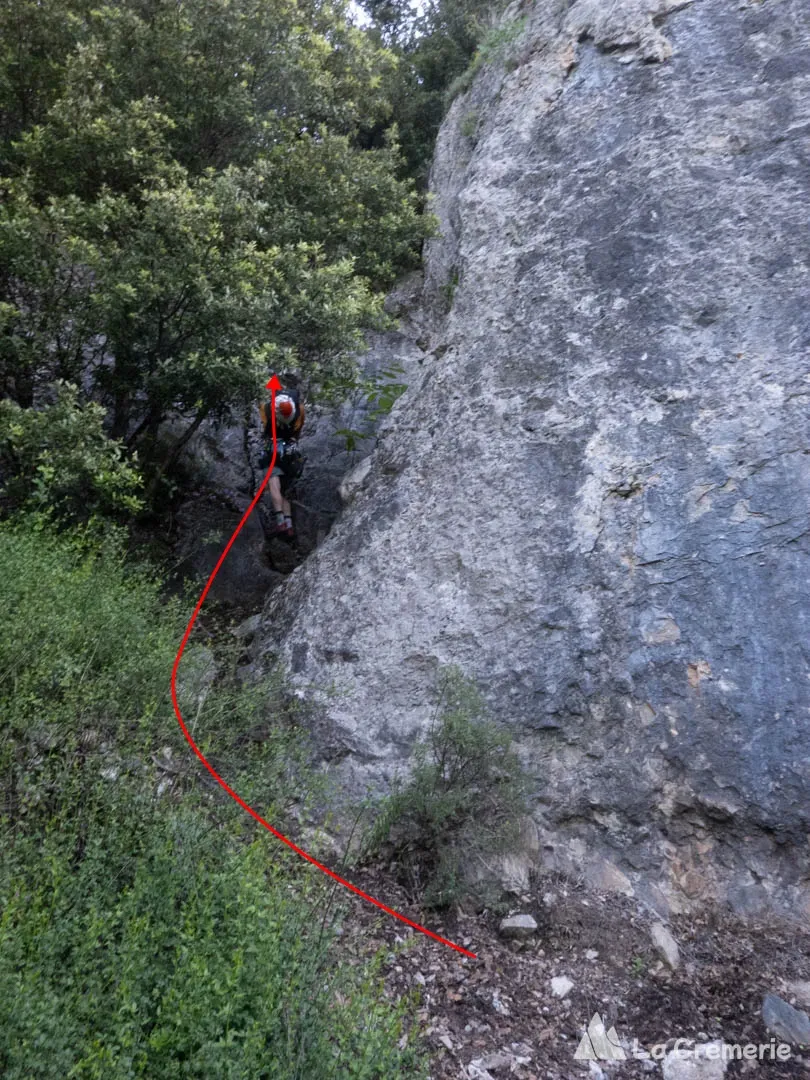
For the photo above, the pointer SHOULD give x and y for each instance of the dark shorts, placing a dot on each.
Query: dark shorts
(264, 461)
(287, 480)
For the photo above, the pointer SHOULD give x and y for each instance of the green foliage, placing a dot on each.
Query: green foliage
(194, 311)
(449, 289)
(136, 942)
(469, 125)
(461, 804)
(149, 929)
(384, 390)
(186, 205)
(84, 653)
(35, 36)
(637, 966)
(437, 44)
(494, 48)
(377, 394)
(86, 648)
(352, 437)
(318, 194)
(222, 77)
(59, 460)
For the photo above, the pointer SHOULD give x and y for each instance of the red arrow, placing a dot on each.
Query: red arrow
(274, 386)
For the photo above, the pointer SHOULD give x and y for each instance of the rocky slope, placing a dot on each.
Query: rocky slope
(594, 496)
(222, 467)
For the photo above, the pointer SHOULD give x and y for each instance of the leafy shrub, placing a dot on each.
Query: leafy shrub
(469, 125)
(378, 393)
(87, 644)
(142, 934)
(449, 289)
(59, 459)
(494, 48)
(462, 802)
(136, 942)
(85, 654)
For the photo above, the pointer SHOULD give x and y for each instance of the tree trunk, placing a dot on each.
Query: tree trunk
(170, 460)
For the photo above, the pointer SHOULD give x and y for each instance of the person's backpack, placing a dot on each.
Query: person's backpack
(298, 423)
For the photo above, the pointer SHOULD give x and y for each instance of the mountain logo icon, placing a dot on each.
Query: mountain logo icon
(599, 1045)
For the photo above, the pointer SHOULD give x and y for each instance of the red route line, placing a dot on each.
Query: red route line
(273, 386)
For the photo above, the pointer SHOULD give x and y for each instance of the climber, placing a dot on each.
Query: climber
(289, 462)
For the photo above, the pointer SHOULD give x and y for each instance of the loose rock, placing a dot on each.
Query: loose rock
(518, 927)
(561, 985)
(704, 1062)
(800, 991)
(666, 946)
(497, 1062)
(785, 1022)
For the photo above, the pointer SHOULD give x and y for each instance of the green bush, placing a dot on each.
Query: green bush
(86, 649)
(136, 942)
(469, 125)
(142, 933)
(85, 653)
(462, 803)
(59, 459)
(377, 395)
(494, 47)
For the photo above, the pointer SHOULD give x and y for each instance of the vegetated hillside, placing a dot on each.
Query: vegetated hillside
(145, 928)
(590, 499)
(594, 498)
(187, 203)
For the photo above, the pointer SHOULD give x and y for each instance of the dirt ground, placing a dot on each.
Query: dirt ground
(496, 1016)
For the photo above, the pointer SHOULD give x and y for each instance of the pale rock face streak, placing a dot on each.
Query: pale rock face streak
(594, 496)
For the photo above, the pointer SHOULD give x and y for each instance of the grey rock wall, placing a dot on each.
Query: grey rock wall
(594, 496)
(223, 468)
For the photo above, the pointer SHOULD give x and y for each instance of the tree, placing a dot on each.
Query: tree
(434, 44)
(59, 461)
(192, 206)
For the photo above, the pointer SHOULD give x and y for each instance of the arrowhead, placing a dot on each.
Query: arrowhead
(274, 383)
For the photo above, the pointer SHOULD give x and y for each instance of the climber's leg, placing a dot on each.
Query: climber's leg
(283, 511)
(280, 504)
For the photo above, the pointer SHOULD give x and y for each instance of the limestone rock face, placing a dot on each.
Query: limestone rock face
(225, 465)
(594, 496)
